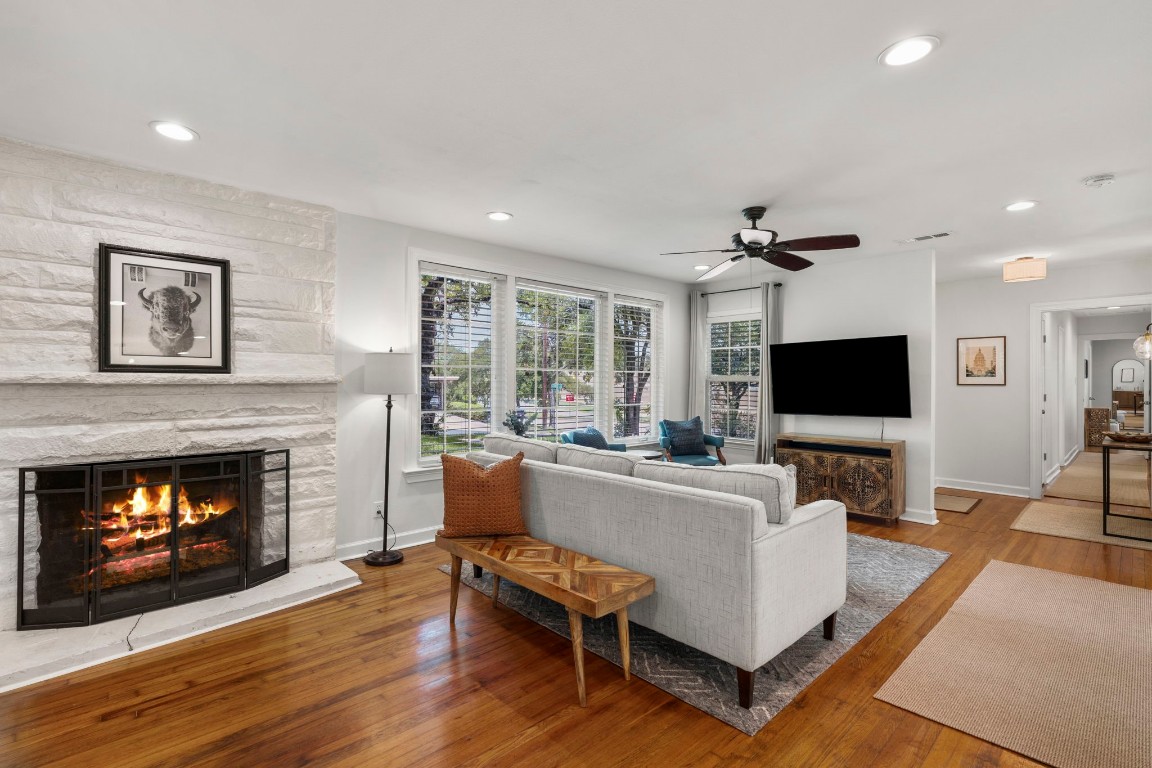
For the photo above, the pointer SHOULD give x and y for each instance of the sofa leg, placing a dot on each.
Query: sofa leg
(830, 627)
(744, 680)
(477, 571)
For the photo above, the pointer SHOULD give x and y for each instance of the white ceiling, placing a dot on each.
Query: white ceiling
(617, 130)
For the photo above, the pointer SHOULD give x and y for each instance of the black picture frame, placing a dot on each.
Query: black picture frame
(163, 312)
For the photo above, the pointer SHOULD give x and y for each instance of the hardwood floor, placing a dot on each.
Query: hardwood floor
(373, 676)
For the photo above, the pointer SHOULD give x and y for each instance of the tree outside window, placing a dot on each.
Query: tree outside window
(632, 363)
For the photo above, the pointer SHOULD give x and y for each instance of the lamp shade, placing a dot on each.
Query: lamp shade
(1024, 269)
(390, 373)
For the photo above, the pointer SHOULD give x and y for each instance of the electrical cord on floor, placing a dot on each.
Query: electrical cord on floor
(128, 637)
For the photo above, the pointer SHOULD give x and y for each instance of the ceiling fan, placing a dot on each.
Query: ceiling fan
(761, 244)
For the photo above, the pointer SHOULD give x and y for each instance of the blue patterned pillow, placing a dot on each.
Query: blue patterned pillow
(590, 437)
(687, 437)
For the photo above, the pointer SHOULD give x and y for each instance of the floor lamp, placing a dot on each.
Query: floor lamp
(388, 373)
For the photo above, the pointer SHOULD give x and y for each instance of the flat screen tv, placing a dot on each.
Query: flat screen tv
(842, 377)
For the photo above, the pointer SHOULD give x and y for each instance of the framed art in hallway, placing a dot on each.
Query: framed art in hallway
(163, 312)
(981, 360)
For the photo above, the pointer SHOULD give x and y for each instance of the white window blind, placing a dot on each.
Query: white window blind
(461, 352)
(733, 378)
(637, 342)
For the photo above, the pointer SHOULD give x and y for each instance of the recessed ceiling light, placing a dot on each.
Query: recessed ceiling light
(908, 51)
(702, 267)
(174, 130)
(1020, 205)
(499, 215)
(1112, 307)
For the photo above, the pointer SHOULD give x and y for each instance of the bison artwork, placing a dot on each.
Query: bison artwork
(171, 308)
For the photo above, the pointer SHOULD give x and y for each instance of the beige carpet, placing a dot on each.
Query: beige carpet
(948, 503)
(1055, 667)
(1083, 479)
(1080, 523)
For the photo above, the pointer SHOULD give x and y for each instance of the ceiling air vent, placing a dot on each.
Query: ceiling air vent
(922, 238)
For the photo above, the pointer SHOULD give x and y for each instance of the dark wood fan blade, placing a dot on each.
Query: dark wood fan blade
(788, 261)
(681, 253)
(827, 243)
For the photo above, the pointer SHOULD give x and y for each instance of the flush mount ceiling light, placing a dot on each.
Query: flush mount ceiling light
(908, 51)
(499, 215)
(174, 131)
(1143, 344)
(702, 267)
(1020, 205)
(1025, 268)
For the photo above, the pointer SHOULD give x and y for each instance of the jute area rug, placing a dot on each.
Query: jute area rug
(881, 575)
(1084, 524)
(1083, 479)
(1053, 666)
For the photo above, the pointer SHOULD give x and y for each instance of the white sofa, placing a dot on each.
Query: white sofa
(728, 581)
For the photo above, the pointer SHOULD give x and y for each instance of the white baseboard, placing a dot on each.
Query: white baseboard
(1052, 474)
(924, 517)
(968, 485)
(404, 540)
(1072, 454)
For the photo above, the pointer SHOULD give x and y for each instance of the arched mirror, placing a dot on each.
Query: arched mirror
(1128, 375)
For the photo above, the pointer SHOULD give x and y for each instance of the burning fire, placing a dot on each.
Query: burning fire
(146, 514)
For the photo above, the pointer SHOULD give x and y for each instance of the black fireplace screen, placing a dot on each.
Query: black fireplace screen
(101, 541)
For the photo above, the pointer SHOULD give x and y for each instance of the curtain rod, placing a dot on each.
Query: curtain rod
(737, 290)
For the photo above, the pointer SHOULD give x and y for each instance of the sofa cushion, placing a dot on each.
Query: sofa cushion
(767, 483)
(590, 437)
(686, 437)
(510, 445)
(481, 501)
(616, 462)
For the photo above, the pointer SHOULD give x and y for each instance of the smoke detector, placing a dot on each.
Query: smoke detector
(1099, 180)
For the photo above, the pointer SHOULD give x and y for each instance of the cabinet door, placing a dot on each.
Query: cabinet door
(813, 478)
(864, 484)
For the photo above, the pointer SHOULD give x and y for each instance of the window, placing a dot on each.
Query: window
(567, 356)
(734, 378)
(456, 362)
(634, 331)
(556, 359)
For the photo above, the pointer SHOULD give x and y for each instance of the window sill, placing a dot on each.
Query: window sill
(423, 474)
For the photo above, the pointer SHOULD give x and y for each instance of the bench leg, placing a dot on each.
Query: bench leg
(744, 680)
(576, 625)
(477, 571)
(625, 647)
(830, 627)
(495, 590)
(456, 564)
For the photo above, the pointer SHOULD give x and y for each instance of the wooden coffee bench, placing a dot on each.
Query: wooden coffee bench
(581, 583)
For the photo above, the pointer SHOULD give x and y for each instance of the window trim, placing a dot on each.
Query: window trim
(730, 316)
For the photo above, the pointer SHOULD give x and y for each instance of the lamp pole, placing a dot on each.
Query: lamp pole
(388, 373)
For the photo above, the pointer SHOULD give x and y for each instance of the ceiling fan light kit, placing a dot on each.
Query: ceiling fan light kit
(762, 244)
(1025, 268)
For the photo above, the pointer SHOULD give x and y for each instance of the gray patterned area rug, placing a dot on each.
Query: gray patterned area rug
(881, 575)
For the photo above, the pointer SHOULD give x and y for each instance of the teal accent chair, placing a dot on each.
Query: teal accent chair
(590, 437)
(705, 459)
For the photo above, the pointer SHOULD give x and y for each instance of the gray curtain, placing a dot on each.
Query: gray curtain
(699, 358)
(768, 423)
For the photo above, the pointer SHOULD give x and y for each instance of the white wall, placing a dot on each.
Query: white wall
(983, 433)
(1105, 355)
(888, 295)
(374, 311)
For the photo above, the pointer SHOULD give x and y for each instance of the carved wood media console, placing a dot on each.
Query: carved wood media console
(866, 475)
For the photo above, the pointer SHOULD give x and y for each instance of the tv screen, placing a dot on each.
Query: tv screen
(842, 377)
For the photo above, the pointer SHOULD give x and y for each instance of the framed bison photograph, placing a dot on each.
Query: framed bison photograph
(163, 312)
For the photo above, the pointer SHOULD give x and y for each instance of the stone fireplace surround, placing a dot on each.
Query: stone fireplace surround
(55, 209)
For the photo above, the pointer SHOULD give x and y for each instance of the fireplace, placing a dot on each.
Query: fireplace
(102, 541)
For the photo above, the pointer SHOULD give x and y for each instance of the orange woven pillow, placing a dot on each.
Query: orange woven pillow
(479, 501)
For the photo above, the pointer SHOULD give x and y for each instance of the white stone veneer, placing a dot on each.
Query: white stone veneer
(55, 408)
